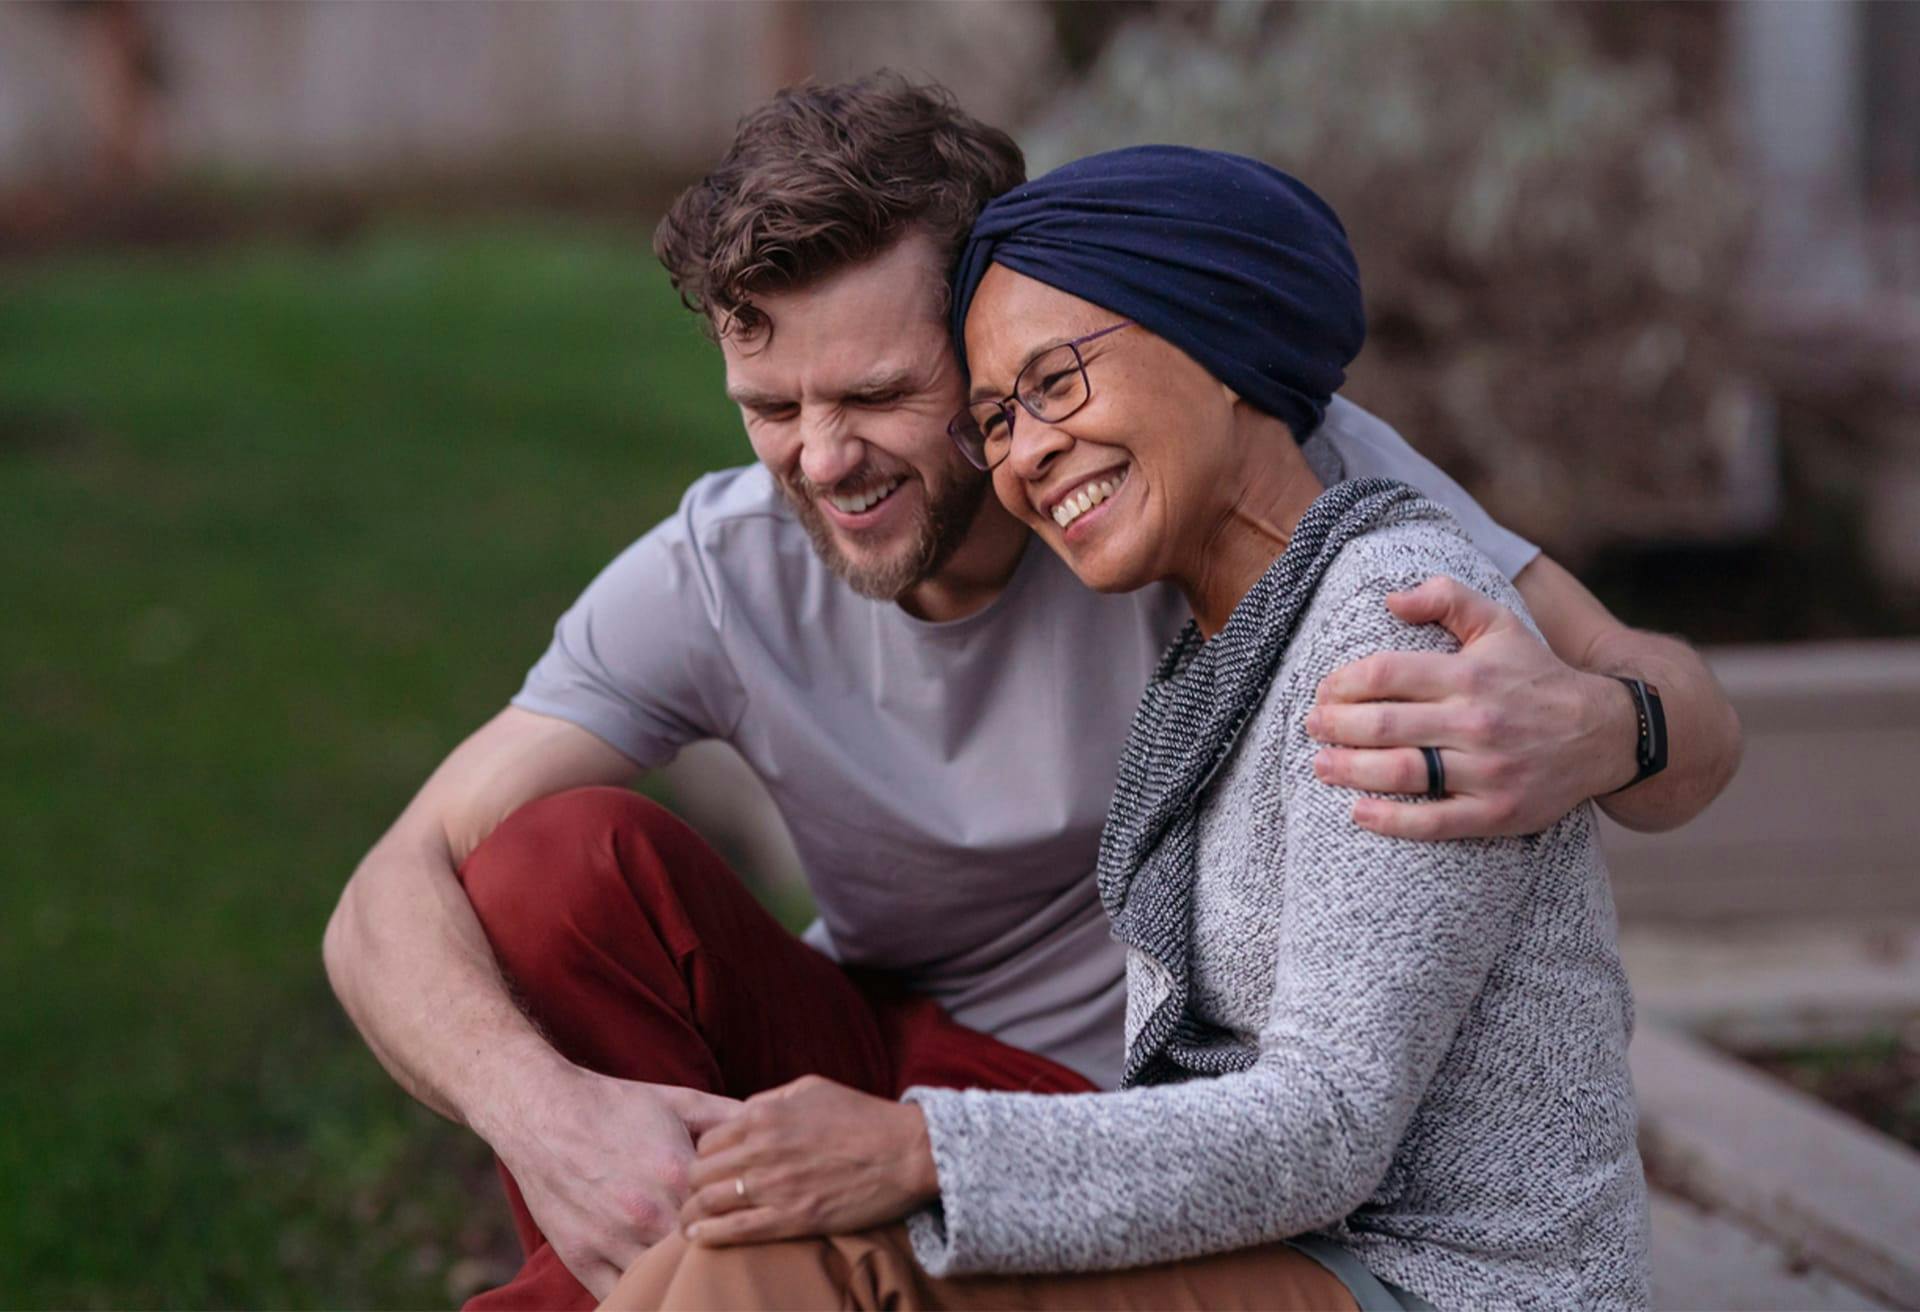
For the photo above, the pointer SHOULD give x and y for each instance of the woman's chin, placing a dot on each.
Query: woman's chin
(1105, 576)
(1102, 564)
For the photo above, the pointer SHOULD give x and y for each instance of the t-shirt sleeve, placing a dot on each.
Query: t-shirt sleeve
(1369, 447)
(639, 660)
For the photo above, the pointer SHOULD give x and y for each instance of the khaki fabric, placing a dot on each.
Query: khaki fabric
(875, 1269)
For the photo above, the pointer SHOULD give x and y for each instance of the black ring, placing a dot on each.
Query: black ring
(1436, 774)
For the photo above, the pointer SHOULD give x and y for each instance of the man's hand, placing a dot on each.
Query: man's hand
(603, 1165)
(1524, 737)
(809, 1158)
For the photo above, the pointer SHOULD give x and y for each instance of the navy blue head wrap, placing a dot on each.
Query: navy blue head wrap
(1231, 260)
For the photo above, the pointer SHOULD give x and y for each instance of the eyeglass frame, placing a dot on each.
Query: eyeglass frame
(1006, 403)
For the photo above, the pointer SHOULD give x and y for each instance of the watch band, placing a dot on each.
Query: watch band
(1650, 748)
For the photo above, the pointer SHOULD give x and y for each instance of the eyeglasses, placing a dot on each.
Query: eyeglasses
(1050, 387)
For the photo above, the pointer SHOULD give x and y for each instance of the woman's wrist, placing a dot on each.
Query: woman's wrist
(921, 1176)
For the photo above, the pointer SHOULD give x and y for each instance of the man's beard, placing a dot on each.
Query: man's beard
(942, 527)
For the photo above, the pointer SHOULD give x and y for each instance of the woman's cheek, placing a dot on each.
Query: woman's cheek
(1013, 495)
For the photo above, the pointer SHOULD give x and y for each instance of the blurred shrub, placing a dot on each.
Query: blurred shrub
(1550, 238)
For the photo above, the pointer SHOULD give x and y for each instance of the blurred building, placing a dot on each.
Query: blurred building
(307, 91)
(1611, 328)
(1828, 97)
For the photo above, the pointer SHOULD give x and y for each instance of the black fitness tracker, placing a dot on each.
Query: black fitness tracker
(1650, 749)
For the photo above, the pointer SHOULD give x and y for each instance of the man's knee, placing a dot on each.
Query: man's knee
(567, 865)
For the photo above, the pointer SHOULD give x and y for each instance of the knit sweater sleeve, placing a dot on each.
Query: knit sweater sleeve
(1383, 946)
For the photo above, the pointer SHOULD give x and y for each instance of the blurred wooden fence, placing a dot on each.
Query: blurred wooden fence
(309, 91)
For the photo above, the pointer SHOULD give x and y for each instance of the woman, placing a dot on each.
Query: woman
(1360, 1071)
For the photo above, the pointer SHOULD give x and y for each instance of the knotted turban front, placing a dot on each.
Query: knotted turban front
(1236, 263)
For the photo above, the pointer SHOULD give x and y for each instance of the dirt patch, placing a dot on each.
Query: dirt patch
(33, 432)
(1876, 1081)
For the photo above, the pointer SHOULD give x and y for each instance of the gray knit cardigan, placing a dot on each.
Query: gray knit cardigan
(1441, 1082)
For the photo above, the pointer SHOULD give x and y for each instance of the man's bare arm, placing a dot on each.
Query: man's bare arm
(405, 951)
(602, 1162)
(1526, 733)
(1703, 730)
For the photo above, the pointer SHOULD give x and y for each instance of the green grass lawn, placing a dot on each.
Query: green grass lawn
(279, 525)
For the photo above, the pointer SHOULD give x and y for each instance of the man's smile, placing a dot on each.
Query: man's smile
(865, 507)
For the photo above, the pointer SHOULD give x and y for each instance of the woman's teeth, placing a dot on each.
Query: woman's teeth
(854, 505)
(1084, 500)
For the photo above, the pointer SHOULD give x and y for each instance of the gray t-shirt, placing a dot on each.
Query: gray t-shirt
(945, 783)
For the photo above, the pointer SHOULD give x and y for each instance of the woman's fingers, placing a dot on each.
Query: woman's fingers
(699, 1111)
(716, 1167)
(748, 1226)
(716, 1199)
(742, 1120)
(787, 1090)
(726, 1135)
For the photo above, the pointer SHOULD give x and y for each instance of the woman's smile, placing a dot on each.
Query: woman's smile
(1076, 506)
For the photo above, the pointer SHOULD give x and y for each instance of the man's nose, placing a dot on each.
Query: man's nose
(828, 449)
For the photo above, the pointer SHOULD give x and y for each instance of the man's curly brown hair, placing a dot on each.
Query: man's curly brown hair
(823, 177)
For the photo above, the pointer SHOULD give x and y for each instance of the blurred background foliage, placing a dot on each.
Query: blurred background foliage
(1554, 225)
(299, 463)
(284, 523)
(1549, 240)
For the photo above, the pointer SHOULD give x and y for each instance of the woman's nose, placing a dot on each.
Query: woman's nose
(1034, 444)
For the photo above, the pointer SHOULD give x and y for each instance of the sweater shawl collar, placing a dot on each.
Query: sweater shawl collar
(1200, 698)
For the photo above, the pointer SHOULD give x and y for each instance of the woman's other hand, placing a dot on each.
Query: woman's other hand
(809, 1158)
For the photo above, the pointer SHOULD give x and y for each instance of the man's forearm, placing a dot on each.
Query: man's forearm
(1703, 732)
(411, 965)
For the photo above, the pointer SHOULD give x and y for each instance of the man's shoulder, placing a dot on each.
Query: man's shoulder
(1362, 445)
(731, 537)
(744, 495)
(733, 524)
(1369, 446)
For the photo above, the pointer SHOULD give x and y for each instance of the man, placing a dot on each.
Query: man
(937, 709)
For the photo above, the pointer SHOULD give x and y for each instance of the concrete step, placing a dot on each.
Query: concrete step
(1829, 1192)
(1702, 1260)
(1751, 985)
(1822, 819)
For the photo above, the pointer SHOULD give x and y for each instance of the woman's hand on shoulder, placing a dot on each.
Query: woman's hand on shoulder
(809, 1158)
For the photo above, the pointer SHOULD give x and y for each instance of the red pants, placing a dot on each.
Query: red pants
(640, 955)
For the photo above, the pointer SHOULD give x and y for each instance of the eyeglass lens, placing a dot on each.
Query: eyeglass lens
(1052, 386)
